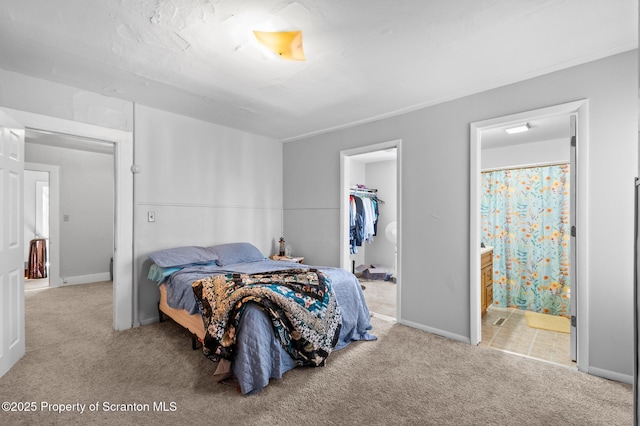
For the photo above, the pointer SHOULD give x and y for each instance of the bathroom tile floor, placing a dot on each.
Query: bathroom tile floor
(515, 336)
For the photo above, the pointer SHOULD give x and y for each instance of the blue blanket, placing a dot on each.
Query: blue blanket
(299, 302)
(259, 355)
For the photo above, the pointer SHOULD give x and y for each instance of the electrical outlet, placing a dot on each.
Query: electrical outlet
(151, 216)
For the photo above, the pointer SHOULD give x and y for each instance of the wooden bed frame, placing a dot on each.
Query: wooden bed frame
(192, 322)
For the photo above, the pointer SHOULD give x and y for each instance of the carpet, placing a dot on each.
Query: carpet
(149, 375)
(380, 296)
(547, 322)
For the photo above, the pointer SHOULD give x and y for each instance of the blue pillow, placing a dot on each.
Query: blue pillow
(158, 273)
(181, 256)
(237, 253)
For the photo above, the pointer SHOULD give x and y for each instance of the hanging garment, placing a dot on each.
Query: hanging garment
(369, 218)
(37, 259)
(374, 201)
(356, 233)
(363, 221)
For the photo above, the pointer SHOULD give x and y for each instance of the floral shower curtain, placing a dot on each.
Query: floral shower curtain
(525, 218)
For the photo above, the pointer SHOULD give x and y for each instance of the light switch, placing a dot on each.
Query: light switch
(151, 216)
(65, 218)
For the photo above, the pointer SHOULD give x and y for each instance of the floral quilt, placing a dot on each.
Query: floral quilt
(299, 302)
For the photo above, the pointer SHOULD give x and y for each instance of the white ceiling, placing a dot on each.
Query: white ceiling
(366, 59)
(376, 156)
(540, 130)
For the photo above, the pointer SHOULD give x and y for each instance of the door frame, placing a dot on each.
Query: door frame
(123, 307)
(580, 292)
(53, 254)
(345, 168)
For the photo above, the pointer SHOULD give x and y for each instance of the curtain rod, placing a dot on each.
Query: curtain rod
(527, 166)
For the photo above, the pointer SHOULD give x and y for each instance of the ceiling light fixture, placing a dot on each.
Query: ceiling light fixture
(285, 44)
(518, 129)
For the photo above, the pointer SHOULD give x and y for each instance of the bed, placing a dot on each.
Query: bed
(258, 354)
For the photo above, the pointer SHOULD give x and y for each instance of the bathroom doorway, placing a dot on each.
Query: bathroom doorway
(544, 151)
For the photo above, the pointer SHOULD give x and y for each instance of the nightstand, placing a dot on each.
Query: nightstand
(287, 258)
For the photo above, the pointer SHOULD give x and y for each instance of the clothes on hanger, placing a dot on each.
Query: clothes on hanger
(363, 214)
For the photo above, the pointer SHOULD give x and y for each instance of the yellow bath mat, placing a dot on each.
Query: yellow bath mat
(547, 322)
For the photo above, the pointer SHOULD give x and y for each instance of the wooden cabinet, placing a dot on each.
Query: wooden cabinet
(486, 281)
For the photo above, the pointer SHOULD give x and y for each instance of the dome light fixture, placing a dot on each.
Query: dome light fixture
(284, 44)
(518, 129)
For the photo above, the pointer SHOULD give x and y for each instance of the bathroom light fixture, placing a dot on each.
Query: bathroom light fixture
(285, 44)
(518, 129)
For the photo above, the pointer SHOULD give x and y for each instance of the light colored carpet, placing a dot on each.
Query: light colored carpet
(381, 297)
(547, 322)
(406, 377)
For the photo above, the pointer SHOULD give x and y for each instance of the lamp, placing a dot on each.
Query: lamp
(518, 129)
(285, 44)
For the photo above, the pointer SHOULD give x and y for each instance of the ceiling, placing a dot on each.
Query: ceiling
(365, 59)
(540, 130)
(376, 156)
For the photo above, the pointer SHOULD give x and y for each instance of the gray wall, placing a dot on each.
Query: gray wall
(435, 195)
(86, 196)
(207, 185)
(24, 93)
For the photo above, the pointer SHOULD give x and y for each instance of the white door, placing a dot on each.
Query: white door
(11, 244)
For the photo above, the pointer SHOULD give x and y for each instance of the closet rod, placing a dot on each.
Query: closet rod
(369, 190)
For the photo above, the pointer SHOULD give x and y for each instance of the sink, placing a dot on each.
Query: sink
(484, 250)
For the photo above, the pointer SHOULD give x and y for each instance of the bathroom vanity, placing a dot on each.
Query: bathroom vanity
(486, 278)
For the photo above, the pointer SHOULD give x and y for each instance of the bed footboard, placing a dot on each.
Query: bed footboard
(193, 323)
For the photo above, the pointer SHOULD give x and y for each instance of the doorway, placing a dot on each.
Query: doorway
(36, 227)
(123, 286)
(370, 184)
(482, 130)
(81, 245)
(525, 230)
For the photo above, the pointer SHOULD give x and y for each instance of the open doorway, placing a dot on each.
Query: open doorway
(36, 228)
(13, 124)
(370, 225)
(124, 292)
(525, 212)
(80, 172)
(570, 276)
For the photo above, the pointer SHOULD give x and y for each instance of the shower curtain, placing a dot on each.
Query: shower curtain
(525, 218)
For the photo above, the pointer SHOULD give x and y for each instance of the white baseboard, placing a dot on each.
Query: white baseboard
(611, 375)
(86, 279)
(594, 371)
(437, 331)
(149, 321)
